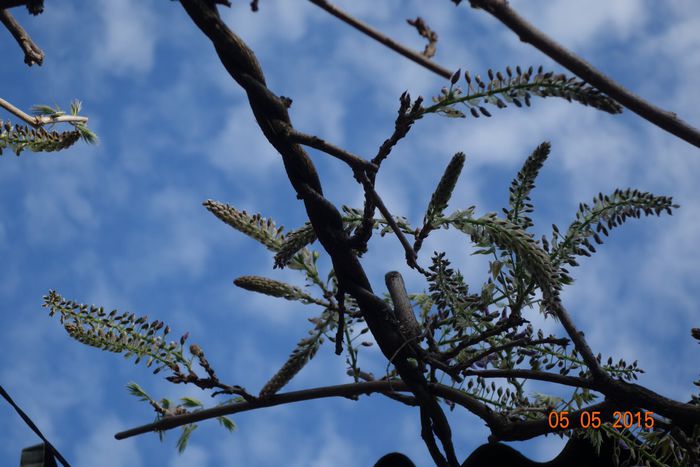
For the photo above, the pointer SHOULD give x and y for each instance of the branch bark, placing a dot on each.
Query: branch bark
(40, 120)
(382, 39)
(32, 53)
(502, 429)
(528, 33)
(271, 114)
(273, 119)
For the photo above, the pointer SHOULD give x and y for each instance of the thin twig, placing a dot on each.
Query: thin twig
(425, 31)
(315, 142)
(573, 381)
(40, 120)
(381, 38)
(411, 257)
(508, 345)
(664, 119)
(404, 120)
(32, 53)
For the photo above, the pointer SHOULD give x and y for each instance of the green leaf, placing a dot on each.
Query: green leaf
(227, 423)
(185, 437)
(47, 110)
(138, 391)
(191, 402)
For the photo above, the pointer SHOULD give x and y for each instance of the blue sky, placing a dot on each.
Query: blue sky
(121, 224)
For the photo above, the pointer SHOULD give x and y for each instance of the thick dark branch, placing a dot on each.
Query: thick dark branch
(403, 310)
(33, 6)
(501, 428)
(343, 390)
(381, 38)
(11, 3)
(32, 53)
(669, 121)
(271, 115)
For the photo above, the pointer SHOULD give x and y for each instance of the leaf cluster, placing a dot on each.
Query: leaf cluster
(515, 88)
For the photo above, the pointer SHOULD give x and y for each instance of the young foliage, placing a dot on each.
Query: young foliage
(516, 88)
(441, 197)
(305, 350)
(266, 232)
(491, 232)
(38, 139)
(519, 200)
(605, 213)
(75, 106)
(21, 137)
(275, 288)
(119, 333)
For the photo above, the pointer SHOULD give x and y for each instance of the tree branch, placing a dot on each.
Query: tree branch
(370, 192)
(508, 345)
(32, 53)
(382, 39)
(501, 428)
(572, 381)
(342, 390)
(34, 7)
(4, 4)
(40, 120)
(315, 142)
(273, 118)
(666, 120)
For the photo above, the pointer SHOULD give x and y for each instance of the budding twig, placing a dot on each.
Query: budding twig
(41, 120)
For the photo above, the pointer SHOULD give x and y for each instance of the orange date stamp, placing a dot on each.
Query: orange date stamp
(586, 419)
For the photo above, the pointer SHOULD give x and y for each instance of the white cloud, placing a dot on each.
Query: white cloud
(584, 24)
(276, 20)
(334, 449)
(194, 455)
(100, 447)
(345, 88)
(240, 150)
(181, 247)
(128, 37)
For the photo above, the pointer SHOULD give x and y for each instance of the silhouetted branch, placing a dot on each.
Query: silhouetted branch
(273, 118)
(381, 38)
(315, 142)
(32, 53)
(501, 428)
(528, 33)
